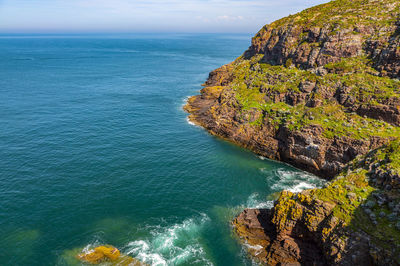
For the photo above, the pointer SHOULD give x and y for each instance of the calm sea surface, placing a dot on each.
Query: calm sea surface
(96, 149)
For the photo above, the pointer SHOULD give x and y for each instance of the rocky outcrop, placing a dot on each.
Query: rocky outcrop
(314, 110)
(270, 134)
(353, 220)
(318, 89)
(387, 54)
(270, 247)
(328, 33)
(107, 255)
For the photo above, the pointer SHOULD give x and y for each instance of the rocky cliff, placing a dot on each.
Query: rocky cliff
(316, 89)
(354, 219)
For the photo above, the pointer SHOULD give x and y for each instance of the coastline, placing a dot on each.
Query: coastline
(299, 242)
(324, 99)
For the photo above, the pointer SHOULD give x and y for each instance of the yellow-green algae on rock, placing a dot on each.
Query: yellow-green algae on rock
(353, 219)
(315, 89)
(106, 255)
(99, 254)
(319, 90)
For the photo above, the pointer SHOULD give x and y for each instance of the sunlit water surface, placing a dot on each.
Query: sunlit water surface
(95, 149)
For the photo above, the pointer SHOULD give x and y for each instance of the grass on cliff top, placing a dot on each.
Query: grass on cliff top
(356, 179)
(356, 74)
(338, 192)
(388, 157)
(263, 87)
(348, 193)
(386, 232)
(343, 14)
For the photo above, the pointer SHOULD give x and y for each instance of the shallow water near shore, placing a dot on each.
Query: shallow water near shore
(96, 149)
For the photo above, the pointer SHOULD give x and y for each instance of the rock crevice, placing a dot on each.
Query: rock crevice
(319, 90)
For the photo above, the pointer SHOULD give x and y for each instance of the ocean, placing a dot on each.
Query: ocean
(96, 149)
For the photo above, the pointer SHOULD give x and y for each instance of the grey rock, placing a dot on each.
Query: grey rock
(351, 196)
(392, 217)
(372, 216)
(368, 211)
(370, 204)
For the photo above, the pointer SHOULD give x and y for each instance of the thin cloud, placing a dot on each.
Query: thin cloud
(141, 15)
(229, 18)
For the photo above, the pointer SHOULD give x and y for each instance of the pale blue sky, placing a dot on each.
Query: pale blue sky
(63, 16)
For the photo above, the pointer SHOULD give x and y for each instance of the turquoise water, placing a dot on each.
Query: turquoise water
(95, 149)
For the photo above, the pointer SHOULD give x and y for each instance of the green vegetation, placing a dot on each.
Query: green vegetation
(377, 219)
(347, 193)
(353, 198)
(388, 157)
(264, 87)
(351, 13)
(333, 97)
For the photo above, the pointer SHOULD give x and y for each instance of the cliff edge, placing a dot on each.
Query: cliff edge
(353, 220)
(319, 90)
(315, 89)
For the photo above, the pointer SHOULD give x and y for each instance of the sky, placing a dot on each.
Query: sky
(144, 16)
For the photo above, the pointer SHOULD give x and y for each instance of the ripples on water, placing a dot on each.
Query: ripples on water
(95, 149)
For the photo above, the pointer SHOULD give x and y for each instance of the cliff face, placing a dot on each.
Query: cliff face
(353, 220)
(328, 33)
(315, 89)
(318, 89)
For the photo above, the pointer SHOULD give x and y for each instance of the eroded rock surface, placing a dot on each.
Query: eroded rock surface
(353, 220)
(315, 89)
(319, 90)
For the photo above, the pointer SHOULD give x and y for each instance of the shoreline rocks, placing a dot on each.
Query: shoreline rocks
(319, 90)
(352, 220)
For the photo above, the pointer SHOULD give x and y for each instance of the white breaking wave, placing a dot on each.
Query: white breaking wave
(301, 186)
(181, 108)
(255, 202)
(184, 102)
(257, 248)
(190, 122)
(175, 245)
(141, 250)
(294, 181)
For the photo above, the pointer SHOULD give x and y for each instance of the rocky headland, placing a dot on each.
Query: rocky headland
(319, 90)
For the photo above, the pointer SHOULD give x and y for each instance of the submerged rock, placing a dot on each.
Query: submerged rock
(100, 254)
(109, 254)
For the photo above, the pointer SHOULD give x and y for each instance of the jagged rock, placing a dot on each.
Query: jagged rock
(319, 90)
(107, 253)
(327, 226)
(278, 70)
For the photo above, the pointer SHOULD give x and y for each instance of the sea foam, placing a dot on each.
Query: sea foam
(282, 179)
(255, 202)
(178, 244)
(190, 122)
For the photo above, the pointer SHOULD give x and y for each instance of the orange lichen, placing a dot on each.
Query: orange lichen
(213, 91)
(99, 254)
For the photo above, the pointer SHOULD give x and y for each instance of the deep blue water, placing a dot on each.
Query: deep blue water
(96, 149)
